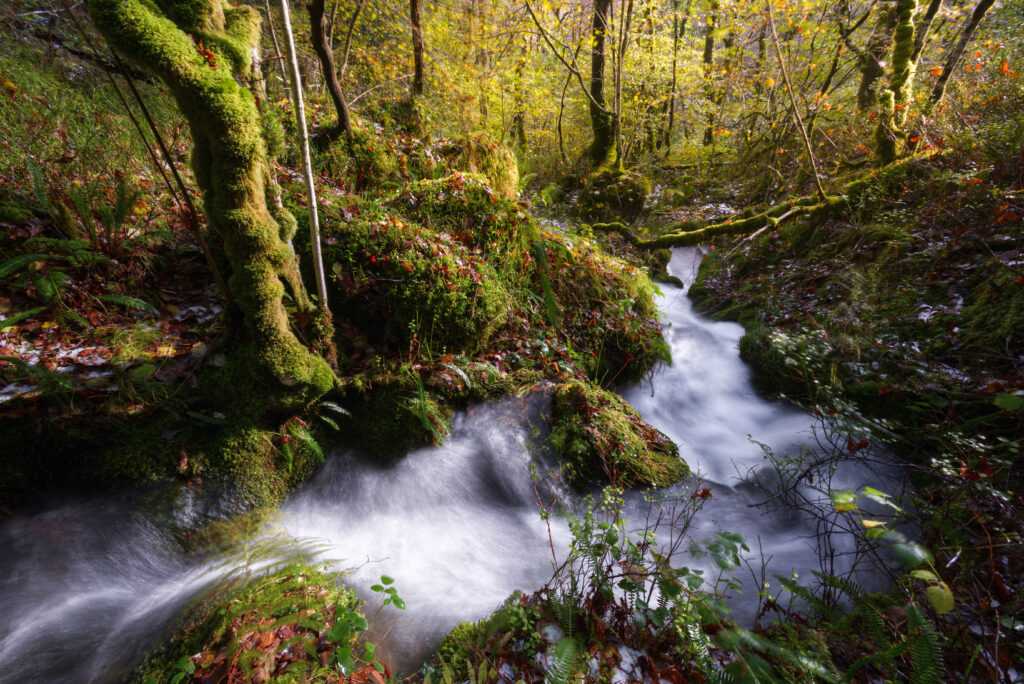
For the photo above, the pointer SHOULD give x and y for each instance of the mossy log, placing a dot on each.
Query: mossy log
(689, 233)
(202, 50)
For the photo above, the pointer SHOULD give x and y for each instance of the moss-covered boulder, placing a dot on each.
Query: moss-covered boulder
(293, 625)
(603, 439)
(471, 212)
(481, 154)
(613, 194)
(604, 305)
(399, 282)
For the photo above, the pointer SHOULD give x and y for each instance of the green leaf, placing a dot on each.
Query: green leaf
(878, 497)
(843, 500)
(940, 597)
(195, 415)
(1010, 402)
(926, 575)
(387, 580)
(911, 554)
(128, 302)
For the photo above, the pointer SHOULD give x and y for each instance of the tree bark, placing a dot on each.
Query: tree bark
(871, 59)
(324, 52)
(890, 138)
(417, 47)
(708, 59)
(600, 118)
(957, 53)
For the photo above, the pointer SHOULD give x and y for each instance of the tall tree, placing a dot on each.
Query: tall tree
(890, 138)
(601, 119)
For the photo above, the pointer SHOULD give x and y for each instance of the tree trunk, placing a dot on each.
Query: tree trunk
(278, 55)
(324, 52)
(957, 53)
(890, 139)
(600, 119)
(417, 47)
(872, 59)
(709, 88)
(924, 28)
(269, 368)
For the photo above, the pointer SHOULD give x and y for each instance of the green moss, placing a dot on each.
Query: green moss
(514, 623)
(246, 626)
(890, 139)
(602, 439)
(14, 212)
(603, 305)
(399, 282)
(231, 167)
(481, 154)
(613, 194)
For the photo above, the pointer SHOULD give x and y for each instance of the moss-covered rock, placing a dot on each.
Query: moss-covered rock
(602, 439)
(613, 194)
(481, 154)
(602, 304)
(399, 282)
(288, 626)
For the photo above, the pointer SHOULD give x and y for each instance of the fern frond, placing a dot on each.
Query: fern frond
(303, 434)
(563, 661)
(15, 264)
(128, 302)
(803, 592)
(926, 653)
(20, 316)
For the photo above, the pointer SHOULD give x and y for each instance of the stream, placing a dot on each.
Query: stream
(86, 587)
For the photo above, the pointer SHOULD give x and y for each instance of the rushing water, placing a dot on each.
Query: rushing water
(87, 587)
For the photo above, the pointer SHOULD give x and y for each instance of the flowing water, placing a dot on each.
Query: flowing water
(86, 587)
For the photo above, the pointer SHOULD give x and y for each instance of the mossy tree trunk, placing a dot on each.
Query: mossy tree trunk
(872, 59)
(325, 53)
(198, 48)
(893, 102)
(601, 120)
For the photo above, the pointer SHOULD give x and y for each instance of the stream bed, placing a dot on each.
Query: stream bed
(87, 587)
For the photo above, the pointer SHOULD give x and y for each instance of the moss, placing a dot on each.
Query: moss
(471, 212)
(603, 305)
(399, 282)
(993, 316)
(613, 194)
(481, 154)
(602, 439)
(890, 139)
(231, 167)
(243, 629)
(514, 623)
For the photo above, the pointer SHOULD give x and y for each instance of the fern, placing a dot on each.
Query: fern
(20, 316)
(15, 264)
(563, 661)
(128, 302)
(551, 312)
(894, 651)
(926, 653)
(803, 592)
(303, 434)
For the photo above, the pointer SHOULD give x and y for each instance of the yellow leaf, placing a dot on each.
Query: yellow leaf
(164, 351)
(872, 523)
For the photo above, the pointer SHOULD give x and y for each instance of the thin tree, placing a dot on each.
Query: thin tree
(957, 53)
(417, 47)
(307, 165)
(325, 53)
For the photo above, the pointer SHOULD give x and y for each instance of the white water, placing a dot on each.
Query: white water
(86, 588)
